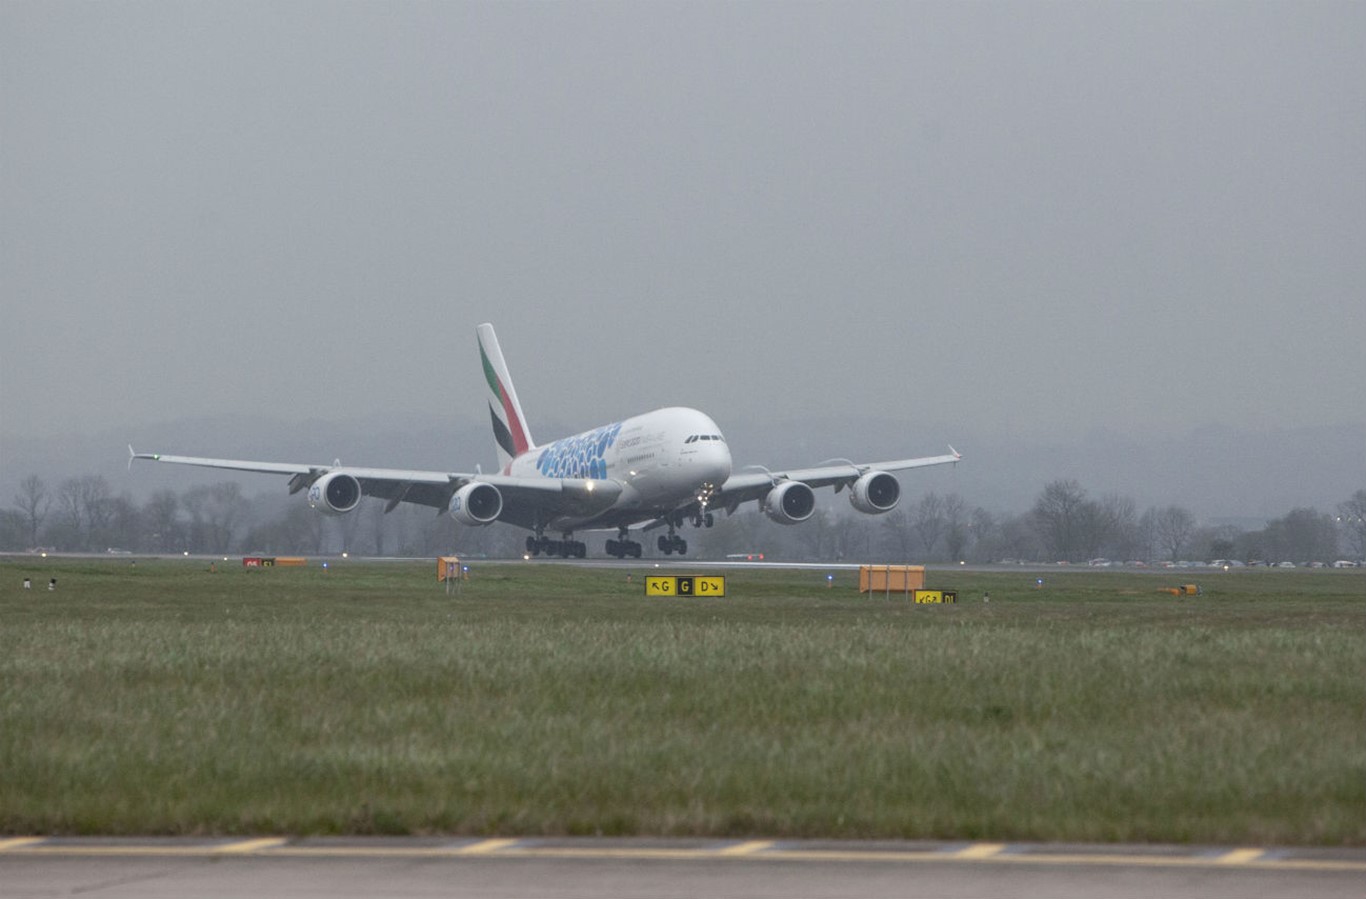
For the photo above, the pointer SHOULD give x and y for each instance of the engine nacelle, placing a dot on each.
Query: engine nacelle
(476, 504)
(876, 492)
(334, 494)
(791, 502)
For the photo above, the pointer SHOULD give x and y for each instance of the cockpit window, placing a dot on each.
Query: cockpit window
(696, 437)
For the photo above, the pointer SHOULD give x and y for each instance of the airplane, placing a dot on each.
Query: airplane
(654, 470)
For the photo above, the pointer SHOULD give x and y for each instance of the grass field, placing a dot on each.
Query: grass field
(159, 698)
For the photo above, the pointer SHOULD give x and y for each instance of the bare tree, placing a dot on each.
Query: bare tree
(986, 535)
(34, 502)
(854, 535)
(815, 536)
(1119, 519)
(731, 534)
(13, 530)
(377, 521)
(896, 534)
(1058, 515)
(1302, 535)
(1352, 521)
(1145, 534)
(216, 511)
(347, 526)
(161, 519)
(1173, 527)
(929, 521)
(70, 514)
(84, 508)
(298, 529)
(956, 530)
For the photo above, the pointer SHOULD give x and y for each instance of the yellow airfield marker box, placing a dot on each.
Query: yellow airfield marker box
(930, 597)
(692, 585)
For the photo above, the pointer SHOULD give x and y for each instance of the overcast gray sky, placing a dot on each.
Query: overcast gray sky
(1024, 218)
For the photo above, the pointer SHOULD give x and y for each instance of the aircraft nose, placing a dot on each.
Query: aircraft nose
(717, 461)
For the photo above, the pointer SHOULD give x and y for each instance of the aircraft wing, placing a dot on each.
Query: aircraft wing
(524, 499)
(753, 485)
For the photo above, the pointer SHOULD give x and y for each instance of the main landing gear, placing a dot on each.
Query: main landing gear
(566, 548)
(673, 544)
(621, 547)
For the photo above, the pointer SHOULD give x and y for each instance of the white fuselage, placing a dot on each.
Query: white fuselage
(662, 459)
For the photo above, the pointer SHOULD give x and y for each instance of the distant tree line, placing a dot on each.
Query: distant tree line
(82, 514)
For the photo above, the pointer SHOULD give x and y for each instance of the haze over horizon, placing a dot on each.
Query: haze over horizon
(1026, 226)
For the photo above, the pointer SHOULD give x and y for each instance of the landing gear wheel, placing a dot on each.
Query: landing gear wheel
(620, 549)
(673, 544)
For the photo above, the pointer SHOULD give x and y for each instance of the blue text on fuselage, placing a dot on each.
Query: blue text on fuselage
(581, 456)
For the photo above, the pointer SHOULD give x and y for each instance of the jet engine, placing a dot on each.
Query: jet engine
(476, 503)
(334, 494)
(875, 492)
(791, 502)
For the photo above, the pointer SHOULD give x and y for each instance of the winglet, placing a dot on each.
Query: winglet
(956, 455)
(134, 456)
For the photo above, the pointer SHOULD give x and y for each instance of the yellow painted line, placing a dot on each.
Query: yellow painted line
(116, 851)
(621, 852)
(241, 847)
(1240, 856)
(747, 848)
(979, 850)
(19, 842)
(484, 847)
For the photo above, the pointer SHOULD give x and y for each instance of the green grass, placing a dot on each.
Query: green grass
(159, 698)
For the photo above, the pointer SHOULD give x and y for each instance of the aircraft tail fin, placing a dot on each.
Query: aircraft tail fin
(510, 432)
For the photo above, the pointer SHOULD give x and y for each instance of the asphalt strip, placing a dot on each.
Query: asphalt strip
(882, 852)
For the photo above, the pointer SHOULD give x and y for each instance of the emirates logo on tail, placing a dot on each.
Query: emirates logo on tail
(510, 433)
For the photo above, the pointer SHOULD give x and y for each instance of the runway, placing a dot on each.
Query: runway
(567, 868)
